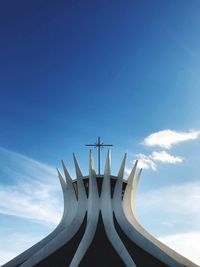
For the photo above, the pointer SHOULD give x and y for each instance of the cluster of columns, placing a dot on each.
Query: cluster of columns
(120, 207)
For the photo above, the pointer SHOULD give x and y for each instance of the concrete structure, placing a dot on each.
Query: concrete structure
(99, 226)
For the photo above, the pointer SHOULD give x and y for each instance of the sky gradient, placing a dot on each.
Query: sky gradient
(127, 71)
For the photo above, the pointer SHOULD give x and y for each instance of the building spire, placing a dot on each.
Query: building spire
(99, 145)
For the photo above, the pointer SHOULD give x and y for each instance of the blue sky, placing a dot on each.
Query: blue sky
(71, 71)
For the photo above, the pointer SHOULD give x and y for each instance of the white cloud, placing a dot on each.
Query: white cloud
(165, 157)
(34, 201)
(35, 193)
(145, 162)
(182, 198)
(172, 214)
(150, 161)
(186, 244)
(10, 249)
(29, 188)
(168, 138)
(6, 255)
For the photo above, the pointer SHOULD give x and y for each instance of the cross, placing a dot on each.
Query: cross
(99, 144)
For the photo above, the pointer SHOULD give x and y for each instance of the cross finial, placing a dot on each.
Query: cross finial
(99, 144)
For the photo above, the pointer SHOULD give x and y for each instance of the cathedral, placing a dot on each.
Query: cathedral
(99, 226)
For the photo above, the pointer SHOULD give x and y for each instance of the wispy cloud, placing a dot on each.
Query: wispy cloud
(186, 244)
(34, 201)
(8, 250)
(167, 138)
(172, 213)
(29, 188)
(165, 157)
(29, 192)
(6, 255)
(146, 162)
(181, 198)
(150, 161)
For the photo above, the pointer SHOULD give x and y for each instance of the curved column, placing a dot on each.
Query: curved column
(69, 229)
(92, 216)
(128, 229)
(148, 242)
(73, 203)
(69, 201)
(107, 215)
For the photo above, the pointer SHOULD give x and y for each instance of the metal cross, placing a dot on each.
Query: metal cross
(99, 144)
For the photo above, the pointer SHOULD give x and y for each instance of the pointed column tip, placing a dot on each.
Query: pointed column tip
(135, 164)
(136, 180)
(67, 175)
(132, 174)
(122, 167)
(63, 163)
(108, 153)
(75, 161)
(140, 172)
(58, 172)
(60, 176)
(77, 168)
(74, 156)
(107, 164)
(91, 162)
